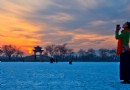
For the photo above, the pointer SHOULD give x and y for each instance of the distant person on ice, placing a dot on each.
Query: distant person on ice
(124, 51)
(70, 61)
(51, 60)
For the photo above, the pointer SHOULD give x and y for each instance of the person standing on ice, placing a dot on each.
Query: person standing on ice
(124, 51)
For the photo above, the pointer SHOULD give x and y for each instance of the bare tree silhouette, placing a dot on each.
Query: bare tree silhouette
(8, 50)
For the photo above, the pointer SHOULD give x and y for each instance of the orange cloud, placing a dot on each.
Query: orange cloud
(14, 29)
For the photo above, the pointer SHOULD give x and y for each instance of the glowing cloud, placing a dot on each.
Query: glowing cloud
(80, 23)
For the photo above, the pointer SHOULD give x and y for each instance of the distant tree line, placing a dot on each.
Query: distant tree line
(11, 53)
(62, 53)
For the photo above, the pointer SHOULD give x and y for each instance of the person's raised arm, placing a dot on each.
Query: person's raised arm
(117, 36)
(121, 35)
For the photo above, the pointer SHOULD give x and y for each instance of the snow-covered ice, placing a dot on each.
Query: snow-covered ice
(60, 76)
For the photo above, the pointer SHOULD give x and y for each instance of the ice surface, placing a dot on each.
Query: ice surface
(60, 76)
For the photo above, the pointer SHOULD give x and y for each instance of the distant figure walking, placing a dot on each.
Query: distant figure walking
(51, 60)
(124, 51)
(70, 62)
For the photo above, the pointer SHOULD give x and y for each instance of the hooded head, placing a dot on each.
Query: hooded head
(126, 26)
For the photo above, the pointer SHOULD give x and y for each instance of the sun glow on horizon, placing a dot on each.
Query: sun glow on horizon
(30, 50)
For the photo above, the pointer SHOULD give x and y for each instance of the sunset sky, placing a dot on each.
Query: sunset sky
(80, 23)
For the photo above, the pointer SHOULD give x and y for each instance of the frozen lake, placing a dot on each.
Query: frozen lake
(60, 76)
